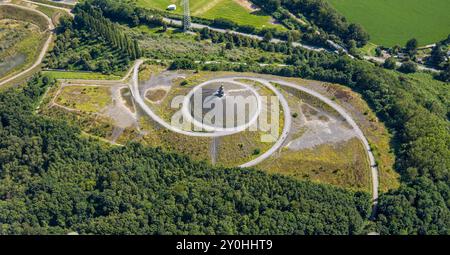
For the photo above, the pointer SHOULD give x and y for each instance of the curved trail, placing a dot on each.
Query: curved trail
(44, 48)
(266, 82)
(288, 120)
(349, 119)
(68, 11)
(287, 126)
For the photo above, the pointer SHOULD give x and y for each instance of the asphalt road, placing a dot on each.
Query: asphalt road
(68, 11)
(201, 26)
(136, 95)
(398, 64)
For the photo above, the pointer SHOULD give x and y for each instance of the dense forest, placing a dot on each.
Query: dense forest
(53, 181)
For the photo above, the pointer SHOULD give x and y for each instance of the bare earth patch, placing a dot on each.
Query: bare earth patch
(156, 95)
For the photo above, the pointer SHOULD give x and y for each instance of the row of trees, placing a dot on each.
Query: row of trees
(87, 17)
(321, 14)
(418, 119)
(440, 59)
(91, 42)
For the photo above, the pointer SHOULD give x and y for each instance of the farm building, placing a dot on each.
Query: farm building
(171, 7)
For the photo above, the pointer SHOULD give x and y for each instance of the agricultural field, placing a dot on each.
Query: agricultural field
(239, 11)
(391, 22)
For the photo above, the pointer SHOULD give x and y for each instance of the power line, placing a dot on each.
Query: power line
(187, 16)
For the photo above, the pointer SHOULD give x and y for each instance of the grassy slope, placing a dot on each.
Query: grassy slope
(220, 9)
(391, 22)
(80, 75)
(11, 12)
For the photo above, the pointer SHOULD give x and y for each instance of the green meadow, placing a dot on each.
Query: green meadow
(391, 22)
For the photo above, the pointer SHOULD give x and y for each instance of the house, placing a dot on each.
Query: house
(171, 7)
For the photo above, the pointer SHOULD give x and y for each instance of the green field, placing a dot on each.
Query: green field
(80, 75)
(391, 22)
(19, 44)
(210, 9)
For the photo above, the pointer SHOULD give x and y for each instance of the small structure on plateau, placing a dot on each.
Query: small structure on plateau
(171, 7)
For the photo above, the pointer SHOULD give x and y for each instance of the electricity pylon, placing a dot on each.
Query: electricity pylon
(187, 16)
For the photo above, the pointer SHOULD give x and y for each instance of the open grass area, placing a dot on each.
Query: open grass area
(92, 124)
(374, 130)
(391, 22)
(52, 13)
(235, 10)
(240, 148)
(125, 93)
(84, 98)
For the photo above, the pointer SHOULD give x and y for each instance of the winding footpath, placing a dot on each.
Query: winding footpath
(266, 82)
(41, 56)
(68, 11)
(334, 45)
(287, 115)
(287, 125)
(201, 26)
